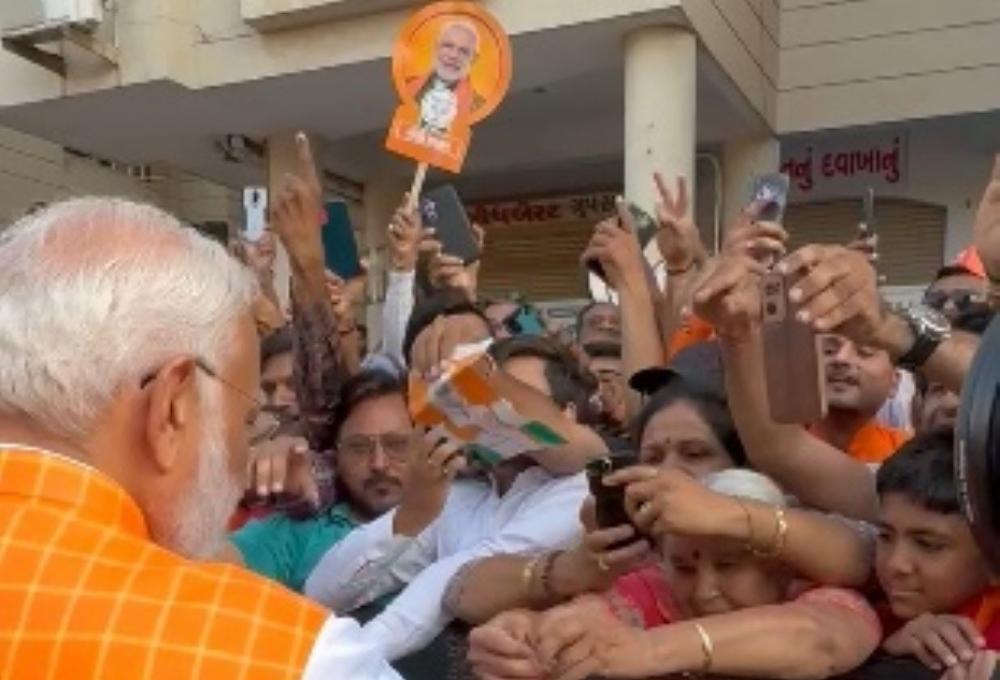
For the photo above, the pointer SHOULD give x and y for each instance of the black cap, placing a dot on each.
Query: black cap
(699, 366)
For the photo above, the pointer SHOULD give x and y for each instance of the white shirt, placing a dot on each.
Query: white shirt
(340, 652)
(396, 313)
(538, 513)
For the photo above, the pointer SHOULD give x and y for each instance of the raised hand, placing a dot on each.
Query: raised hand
(678, 237)
(431, 469)
(616, 246)
(837, 291)
(672, 502)
(729, 296)
(297, 213)
(406, 234)
(283, 465)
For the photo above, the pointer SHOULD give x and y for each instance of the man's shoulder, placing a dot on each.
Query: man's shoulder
(236, 589)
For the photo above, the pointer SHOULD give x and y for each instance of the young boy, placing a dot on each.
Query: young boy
(940, 589)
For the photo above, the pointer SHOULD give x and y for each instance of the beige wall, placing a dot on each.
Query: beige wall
(33, 170)
(866, 61)
(742, 35)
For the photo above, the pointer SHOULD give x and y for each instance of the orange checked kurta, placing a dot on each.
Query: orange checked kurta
(85, 594)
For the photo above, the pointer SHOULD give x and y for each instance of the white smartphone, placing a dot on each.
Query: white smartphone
(255, 212)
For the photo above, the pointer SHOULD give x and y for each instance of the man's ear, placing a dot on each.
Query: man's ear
(173, 405)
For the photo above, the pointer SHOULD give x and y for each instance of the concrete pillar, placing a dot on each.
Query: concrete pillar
(741, 160)
(660, 110)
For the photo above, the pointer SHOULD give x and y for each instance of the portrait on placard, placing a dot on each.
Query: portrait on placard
(451, 68)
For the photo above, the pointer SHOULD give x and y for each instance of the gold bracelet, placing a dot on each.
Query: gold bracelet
(746, 513)
(707, 647)
(780, 534)
(779, 541)
(528, 576)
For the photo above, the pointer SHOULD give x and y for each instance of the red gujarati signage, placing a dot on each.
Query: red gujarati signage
(846, 168)
(589, 207)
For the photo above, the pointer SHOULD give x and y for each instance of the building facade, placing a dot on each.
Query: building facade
(898, 95)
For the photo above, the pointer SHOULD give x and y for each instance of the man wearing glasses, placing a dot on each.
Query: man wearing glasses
(129, 369)
(373, 441)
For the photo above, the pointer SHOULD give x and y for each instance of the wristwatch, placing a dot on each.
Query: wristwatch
(930, 328)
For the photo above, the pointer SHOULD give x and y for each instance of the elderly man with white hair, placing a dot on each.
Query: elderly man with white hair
(128, 375)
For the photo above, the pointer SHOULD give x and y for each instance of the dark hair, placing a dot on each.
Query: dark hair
(569, 382)
(582, 314)
(923, 470)
(369, 384)
(952, 270)
(973, 321)
(276, 343)
(444, 302)
(710, 407)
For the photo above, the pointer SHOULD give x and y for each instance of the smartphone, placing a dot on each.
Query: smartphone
(645, 228)
(610, 500)
(340, 249)
(793, 365)
(524, 321)
(866, 227)
(255, 213)
(442, 210)
(771, 192)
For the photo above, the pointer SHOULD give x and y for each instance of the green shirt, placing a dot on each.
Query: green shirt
(287, 550)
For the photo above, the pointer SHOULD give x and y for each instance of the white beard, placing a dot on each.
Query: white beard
(195, 525)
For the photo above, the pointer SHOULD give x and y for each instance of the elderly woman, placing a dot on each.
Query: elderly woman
(718, 606)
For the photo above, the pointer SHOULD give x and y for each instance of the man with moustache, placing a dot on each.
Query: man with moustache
(859, 379)
(369, 452)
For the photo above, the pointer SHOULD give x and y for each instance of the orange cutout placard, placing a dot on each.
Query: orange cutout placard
(451, 67)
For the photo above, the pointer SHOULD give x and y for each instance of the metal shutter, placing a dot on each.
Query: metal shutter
(911, 234)
(541, 262)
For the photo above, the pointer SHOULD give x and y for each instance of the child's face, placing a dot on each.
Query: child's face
(927, 562)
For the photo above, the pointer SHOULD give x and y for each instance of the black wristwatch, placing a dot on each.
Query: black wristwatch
(930, 328)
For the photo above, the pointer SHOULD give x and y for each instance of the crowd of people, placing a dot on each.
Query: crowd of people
(198, 482)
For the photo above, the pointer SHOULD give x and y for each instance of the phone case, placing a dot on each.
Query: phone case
(340, 248)
(443, 211)
(772, 191)
(796, 390)
(255, 213)
(610, 500)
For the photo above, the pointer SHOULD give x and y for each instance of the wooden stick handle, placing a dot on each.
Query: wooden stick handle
(418, 185)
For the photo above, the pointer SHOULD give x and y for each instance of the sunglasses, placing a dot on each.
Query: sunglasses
(962, 300)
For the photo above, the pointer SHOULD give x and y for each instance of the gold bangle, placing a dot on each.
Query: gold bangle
(707, 647)
(528, 576)
(780, 534)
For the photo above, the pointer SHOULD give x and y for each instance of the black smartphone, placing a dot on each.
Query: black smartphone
(340, 248)
(645, 229)
(610, 500)
(771, 191)
(442, 210)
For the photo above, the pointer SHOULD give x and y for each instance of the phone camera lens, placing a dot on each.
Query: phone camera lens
(771, 309)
